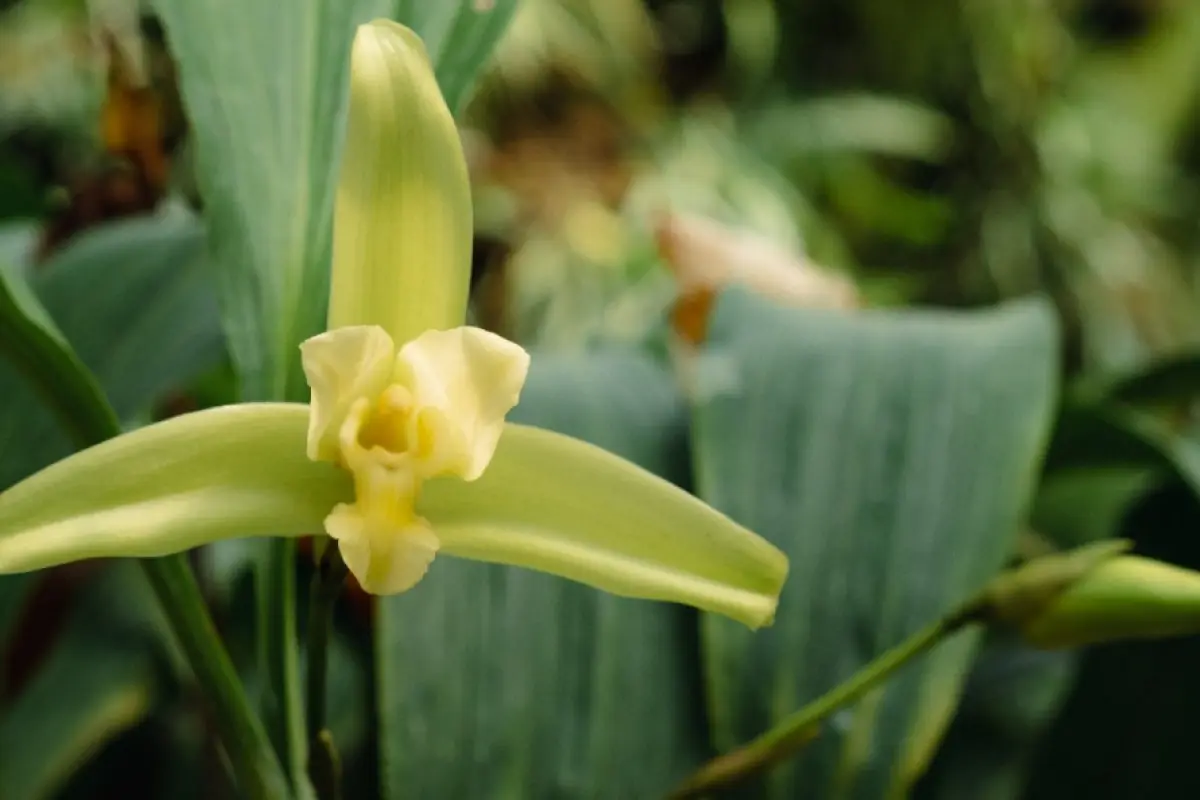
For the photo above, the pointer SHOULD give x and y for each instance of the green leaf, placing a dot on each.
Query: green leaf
(34, 344)
(547, 688)
(1172, 379)
(1082, 505)
(1097, 434)
(264, 86)
(459, 36)
(134, 300)
(891, 455)
(99, 680)
(225, 472)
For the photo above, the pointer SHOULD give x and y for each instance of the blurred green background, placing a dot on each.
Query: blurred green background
(908, 288)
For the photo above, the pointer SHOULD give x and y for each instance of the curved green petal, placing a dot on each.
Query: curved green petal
(402, 221)
(560, 505)
(226, 472)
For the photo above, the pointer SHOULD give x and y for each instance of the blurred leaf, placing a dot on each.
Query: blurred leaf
(1077, 506)
(134, 300)
(99, 680)
(877, 125)
(263, 86)
(1128, 727)
(544, 687)
(608, 46)
(1009, 701)
(1117, 436)
(1096, 434)
(18, 240)
(14, 589)
(1172, 379)
(20, 195)
(891, 455)
(33, 344)
(459, 36)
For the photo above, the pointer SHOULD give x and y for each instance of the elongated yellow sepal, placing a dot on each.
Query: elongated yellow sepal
(402, 222)
(559, 505)
(216, 474)
(546, 502)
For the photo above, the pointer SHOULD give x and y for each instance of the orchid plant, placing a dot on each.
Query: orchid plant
(403, 451)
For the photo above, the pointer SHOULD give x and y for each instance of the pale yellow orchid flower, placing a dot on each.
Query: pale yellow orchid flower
(403, 452)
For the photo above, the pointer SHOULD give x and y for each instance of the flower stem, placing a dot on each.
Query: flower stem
(803, 726)
(254, 764)
(282, 703)
(323, 761)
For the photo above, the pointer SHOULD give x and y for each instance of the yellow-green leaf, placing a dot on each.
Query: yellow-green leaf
(890, 455)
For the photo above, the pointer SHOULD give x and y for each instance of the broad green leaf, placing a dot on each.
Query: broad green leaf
(891, 455)
(99, 679)
(264, 86)
(198, 478)
(134, 300)
(34, 344)
(1100, 434)
(1083, 505)
(545, 687)
(459, 35)
(1175, 379)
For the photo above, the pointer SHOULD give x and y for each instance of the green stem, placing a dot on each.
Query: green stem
(326, 584)
(323, 762)
(801, 727)
(282, 701)
(254, 764)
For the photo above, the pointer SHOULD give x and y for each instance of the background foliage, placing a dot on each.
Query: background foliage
(939, 316)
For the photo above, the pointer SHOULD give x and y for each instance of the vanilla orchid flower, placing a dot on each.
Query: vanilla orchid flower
(403, 452)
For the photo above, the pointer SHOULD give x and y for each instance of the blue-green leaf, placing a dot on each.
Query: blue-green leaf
(459, 36)
(68, 711)
(264, 86)
(134, 300)
(891, 455)
(545, 687)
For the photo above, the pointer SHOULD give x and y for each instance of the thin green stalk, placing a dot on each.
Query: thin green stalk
(283, 707)
(323, 592)
(35, 346)
(323, 762)
(258, 774)
(801, 727)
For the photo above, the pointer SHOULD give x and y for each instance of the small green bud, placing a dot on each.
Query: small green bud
(1019, 596)
(1125, 598)
(1095, 594)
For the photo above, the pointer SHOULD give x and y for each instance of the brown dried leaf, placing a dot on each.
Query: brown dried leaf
(706, 256)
